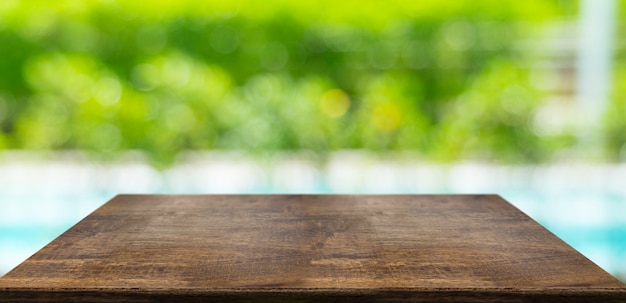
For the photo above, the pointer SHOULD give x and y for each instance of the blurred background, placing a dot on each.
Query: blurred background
(525, 99)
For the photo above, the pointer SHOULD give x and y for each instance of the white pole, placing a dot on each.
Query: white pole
(593, 70)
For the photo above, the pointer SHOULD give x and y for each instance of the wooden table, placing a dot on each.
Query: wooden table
(308, 248)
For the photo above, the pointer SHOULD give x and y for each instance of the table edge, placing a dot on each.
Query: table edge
(406, 295)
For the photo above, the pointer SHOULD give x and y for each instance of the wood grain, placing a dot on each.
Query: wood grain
(234, 248)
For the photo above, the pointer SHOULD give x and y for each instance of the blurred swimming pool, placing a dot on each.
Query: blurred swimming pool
(583, 204)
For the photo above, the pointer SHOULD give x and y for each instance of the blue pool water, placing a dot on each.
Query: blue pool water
(585, 205)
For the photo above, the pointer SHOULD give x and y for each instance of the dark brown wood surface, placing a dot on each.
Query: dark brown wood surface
(308, 248)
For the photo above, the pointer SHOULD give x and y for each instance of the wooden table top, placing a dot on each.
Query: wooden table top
(306, 248)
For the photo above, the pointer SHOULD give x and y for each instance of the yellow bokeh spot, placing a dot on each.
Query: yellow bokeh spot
(386, 116)
(335, 103)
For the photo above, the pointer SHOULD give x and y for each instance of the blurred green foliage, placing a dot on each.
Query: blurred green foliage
(615, 118)
(445, 79)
